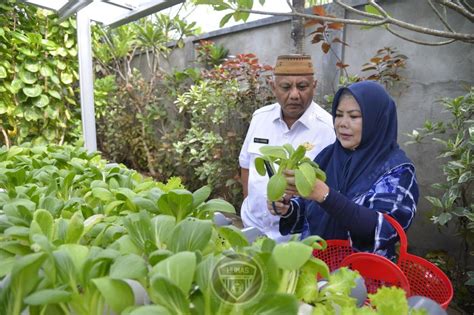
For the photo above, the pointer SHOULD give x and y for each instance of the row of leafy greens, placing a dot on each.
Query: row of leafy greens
(81, 236)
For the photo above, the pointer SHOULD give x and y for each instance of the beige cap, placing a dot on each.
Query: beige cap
(294, 65)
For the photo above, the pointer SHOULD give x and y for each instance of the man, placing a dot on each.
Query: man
(295, 119)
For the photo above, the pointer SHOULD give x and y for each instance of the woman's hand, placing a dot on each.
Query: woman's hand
(320, 189)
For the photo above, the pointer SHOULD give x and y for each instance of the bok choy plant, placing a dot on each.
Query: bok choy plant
(287, 158)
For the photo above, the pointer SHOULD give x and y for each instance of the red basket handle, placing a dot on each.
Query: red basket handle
(401, 233)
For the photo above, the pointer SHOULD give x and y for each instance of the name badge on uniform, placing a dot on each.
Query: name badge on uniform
(260, 140)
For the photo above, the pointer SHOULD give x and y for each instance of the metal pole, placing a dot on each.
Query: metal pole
(86, 80)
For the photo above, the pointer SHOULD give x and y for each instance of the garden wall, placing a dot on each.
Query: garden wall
(431, 73)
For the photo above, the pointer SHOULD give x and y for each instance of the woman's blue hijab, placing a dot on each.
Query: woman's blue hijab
(354, 172)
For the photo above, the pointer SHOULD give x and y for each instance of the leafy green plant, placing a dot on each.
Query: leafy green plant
(38, 76)
(287, 158)
(385, 66)
(455, 205)
(81, 236)
(138, 112)
(210, 55)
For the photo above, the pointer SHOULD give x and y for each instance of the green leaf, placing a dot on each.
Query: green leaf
(177, 202)
(274, 151)
(163, 226)
(42, 223)
(320, 174)
(190, 235)
(117, 293)
(32, 66)
(201, 195)
(70, 258)
(217, 205)
(102, 194)
(292, 255)
(260, 166)
(25, 274)
(276, 187)
(233, 235)
(289, 148)
(305, 178)
(41, 101)
(32, 91)
(389, 300)
(444, 218)
(6, 265)
(46, 71)
(145, 204)
(48, 296)
(16, 85)
(66, 78)
(225, 19)
(159, 255)
(75, 228)
(179, 269)
(27, 77)
(371, 9)
(306, 290)
(3, 72)
(130, 266)
(151, 309)
(298, 154)
(164, 292)
(274, 303)
(54, 94)
(465, 177)
(435, 201)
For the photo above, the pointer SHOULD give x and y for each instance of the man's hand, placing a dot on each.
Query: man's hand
(282, 206)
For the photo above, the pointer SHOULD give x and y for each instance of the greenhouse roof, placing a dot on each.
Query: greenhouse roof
(107, 12)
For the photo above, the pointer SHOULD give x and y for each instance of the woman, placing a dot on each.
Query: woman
(367, 175)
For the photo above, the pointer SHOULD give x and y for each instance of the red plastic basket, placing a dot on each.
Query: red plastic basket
(425, 278)
(377, 271)
(422, 277)
(334, 253)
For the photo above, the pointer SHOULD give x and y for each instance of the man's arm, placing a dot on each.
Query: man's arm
(244, 178)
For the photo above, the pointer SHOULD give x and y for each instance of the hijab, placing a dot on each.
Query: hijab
(354, 172)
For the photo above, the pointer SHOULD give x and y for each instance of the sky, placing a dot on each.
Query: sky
(208, 19)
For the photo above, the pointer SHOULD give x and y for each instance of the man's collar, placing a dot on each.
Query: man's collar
(305, 119)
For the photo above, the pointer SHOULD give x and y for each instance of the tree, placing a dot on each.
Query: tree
(372, 15)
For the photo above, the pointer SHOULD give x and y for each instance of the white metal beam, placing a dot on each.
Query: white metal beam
(86, 80)
(144, 10)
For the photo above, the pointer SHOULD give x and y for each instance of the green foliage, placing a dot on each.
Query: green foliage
(134, 246)
(38, 76)
(455, 205)
(189, 124)
(210, 55)
(132, 111)
(385, 66)
(287, 158)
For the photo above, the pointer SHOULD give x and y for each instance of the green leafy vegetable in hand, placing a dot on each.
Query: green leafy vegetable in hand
(306, 171)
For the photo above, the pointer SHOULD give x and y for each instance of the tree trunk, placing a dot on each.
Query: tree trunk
(297, 27)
